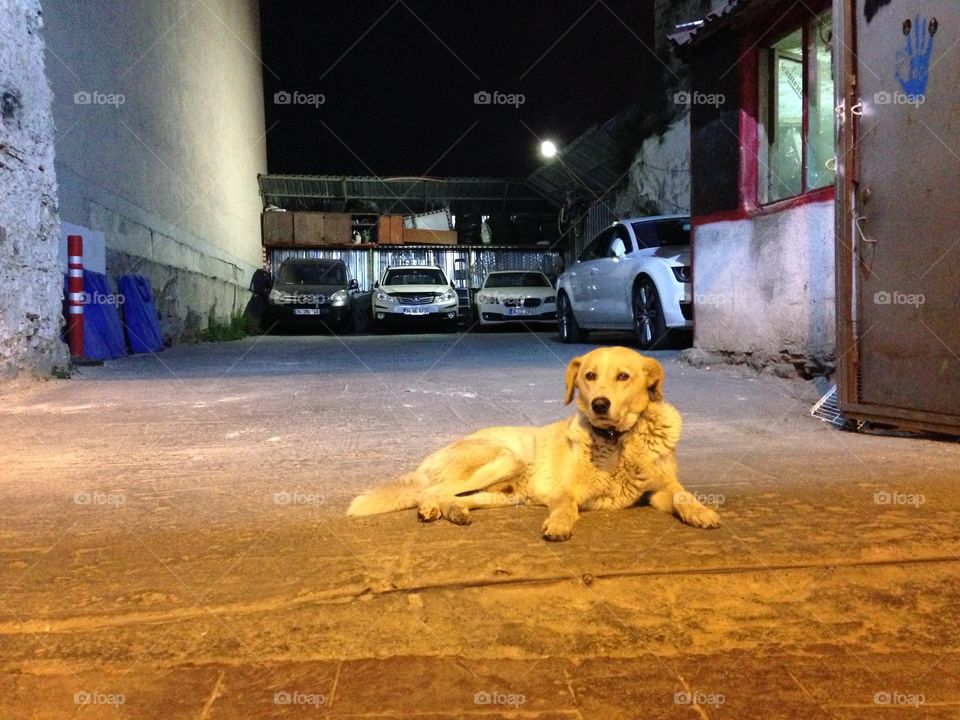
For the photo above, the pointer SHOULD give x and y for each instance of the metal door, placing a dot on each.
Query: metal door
(898, 211)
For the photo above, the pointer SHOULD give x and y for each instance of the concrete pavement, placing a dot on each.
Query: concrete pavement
(173, 545)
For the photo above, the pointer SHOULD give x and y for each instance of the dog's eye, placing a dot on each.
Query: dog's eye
(591, 375)
(623, 377)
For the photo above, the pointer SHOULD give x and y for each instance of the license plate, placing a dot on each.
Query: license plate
(306, 311)
(519, 311)
(416, 311)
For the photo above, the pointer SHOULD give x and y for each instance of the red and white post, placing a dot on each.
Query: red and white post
(75, 295)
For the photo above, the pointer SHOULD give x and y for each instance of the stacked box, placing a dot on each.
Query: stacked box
(414, 236)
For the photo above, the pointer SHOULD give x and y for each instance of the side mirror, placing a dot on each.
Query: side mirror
(452, 285)
(353, 284)
(376, 284)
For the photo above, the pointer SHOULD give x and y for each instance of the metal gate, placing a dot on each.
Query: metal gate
(898, 212)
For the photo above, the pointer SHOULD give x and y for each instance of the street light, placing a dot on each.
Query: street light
(548, 148)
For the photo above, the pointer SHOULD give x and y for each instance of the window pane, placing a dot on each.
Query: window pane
(781, 119)
(820, 117)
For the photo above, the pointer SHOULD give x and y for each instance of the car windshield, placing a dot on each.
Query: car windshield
(516, 280)
(414, 276)
(658, 233)
(312, 274)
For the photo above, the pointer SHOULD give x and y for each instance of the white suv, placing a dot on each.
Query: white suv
(635, 275)
(411, 295)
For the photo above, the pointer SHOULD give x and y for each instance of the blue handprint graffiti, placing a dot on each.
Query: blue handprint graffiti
(913, 62)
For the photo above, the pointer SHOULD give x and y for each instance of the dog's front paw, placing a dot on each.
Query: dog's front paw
(693, 512)
(428, 511)
(557, 529)
(456, 513)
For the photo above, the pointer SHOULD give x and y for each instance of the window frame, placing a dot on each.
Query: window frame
(806, 21)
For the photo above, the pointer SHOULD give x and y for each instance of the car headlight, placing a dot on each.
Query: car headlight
(339, 298)
(385, 298)
(550, 301)
(488, 300)
(448, 296)
(682, 274)
(276, 297)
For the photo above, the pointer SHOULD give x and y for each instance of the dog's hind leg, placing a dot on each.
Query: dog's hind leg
(457, 509)
(502, 466)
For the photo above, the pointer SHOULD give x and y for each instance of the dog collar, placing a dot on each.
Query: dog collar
(610, 435)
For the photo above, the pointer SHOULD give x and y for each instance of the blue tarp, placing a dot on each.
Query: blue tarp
(102, 331)
(140, 314)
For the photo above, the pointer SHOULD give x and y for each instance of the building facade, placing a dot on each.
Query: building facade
(159, 139)
(762, 182)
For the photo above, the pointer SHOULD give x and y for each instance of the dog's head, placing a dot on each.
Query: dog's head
(613, 386)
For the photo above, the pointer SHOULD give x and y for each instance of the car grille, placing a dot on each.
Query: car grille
(415, 298)
(302, 299)
(526, 302)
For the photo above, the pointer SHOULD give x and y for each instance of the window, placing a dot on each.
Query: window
(652, 234)
(516, 280)
(312, 274)
(597, 248)
(796, 111)
(414, 276)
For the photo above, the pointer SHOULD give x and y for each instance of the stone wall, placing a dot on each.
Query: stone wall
(31, 280)
(659, 178)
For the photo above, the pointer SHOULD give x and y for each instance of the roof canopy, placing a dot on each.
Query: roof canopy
(588, 163)
(400, 195)
(689, 33)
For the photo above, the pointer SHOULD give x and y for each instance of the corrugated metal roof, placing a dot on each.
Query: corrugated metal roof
(404, 195)
(586, 163)
(689, 32)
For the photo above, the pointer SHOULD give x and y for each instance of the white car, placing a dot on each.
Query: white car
(515, 296)
(413, 295)
(635, 275)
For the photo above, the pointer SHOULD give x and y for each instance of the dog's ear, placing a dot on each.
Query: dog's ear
(572, 369)
(654, 373)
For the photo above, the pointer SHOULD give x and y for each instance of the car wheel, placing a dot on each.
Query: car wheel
(648, 322)
(570, 331)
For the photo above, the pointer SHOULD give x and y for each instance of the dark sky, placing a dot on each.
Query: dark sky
(398, 80)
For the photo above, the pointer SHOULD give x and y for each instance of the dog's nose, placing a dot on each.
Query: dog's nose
(600, 405)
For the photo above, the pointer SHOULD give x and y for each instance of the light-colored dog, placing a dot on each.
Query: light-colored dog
(616, 451)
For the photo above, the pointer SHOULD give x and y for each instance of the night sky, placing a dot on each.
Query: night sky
(401, 101)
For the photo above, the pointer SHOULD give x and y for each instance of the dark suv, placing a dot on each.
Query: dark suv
(312, 292)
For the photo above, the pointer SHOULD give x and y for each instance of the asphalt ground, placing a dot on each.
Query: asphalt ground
(173, 544)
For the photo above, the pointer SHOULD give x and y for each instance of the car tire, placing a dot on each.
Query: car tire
(567, 326)
(649, 325)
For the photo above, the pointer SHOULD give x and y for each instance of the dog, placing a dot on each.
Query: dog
(616, 451)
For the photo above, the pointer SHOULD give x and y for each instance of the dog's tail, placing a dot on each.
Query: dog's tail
(402, 494)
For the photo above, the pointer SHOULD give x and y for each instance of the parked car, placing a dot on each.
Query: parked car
(312, 292)
(635, 275)
(415, 295)
(515, 295)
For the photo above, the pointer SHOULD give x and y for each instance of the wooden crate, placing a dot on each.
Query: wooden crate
(277, 228)
(316, 229)
(390, 230)
(415, 236)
